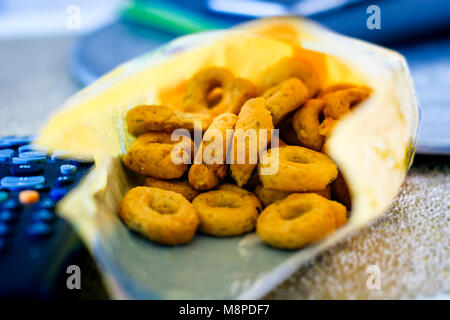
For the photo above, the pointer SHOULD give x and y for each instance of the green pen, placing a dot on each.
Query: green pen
(170, 18)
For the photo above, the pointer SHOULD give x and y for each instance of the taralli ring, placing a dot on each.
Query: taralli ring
(299, 170)
(234, 92)
(284, 98)
(269, 196)
(338, 103)
(335, 87)
(254, 116)
(153, 154)
(162, 216)
(145, 118)
(179, 186)
(226, 213)
(212, 169)
(291, 68)
(306, 123)
(340, 191)
(298, 220)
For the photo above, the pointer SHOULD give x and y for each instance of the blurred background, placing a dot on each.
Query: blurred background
(50, 49)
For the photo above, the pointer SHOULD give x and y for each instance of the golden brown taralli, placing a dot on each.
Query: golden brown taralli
(226, 213)
(254, 116)
(269, 196)
(163, 216)
(152, 154)
(340, 213)
(235, 91)
(306, 122)
(147, 118)
(179, 186)
(285, 98)
(244, 192)
(327, 126)
(299, 170)
(296, 193)
(298, 220)
(212, 169)
(340, 192)
(291, 68)
(335, 87)
(338, 103)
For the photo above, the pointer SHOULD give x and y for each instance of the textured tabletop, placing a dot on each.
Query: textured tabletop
(407, 249)
(34, 80)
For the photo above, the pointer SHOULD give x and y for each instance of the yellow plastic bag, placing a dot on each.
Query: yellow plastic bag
(373, 147)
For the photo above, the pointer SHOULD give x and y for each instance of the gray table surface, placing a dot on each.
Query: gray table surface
(34, 81)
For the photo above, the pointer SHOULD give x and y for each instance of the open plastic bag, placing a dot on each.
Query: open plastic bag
(373, 147)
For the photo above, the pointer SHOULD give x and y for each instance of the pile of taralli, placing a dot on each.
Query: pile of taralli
(300, 203)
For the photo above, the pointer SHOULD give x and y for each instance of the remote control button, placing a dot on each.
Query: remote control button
(3, 195)
(43, 215)
(14, 141)
(57, 194)
(6, 155)
(22, 170)
(11, 204)
(21, 182)
(28, 196)
(39, 230)
(46, 204)
(8, 216)
(68, 169)
(32, 154)
(19, 141)
(17, 160)
(27, 147)
(5, 230)
(31, 147)
(63, 181)
(4, 144)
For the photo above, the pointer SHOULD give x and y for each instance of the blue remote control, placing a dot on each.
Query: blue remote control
(34, 242)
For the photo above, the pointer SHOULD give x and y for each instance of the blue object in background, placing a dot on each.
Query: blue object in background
(406, 26)
(100, 52)
(147, 24)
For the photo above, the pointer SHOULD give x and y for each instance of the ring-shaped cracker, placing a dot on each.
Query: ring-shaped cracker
(210, 172)
(226, 213)
(234, 92)
(248, 139)
(152, 154)
(306, 124)
(291, 68)
(179, 186)
(146, 118)
(163, 216)
(298, 220)
(285, 98)
(299, 170)
(269, 196)
(335, 87)
(338, 103)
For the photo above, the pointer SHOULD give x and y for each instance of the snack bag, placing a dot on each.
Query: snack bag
(372, 146)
